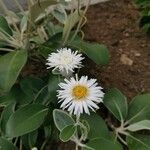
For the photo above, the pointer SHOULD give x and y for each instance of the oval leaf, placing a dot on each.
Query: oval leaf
(48, 132)
(138, 142)
(25, 120)
(116, 103)
(31, 86)
(6, 145)
(139, 108)
(29, 140)
(5, 116)
(4, 27)
(98, 128)
(96, 52)
(39, 7)
(7, 98)
(42, 97)
(53, 82)
(67, 133)
(60, 14)
(10, 67)
(62, 119)
(103, 144)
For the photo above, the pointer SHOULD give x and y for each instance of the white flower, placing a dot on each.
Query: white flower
(80, 95)
(65, 61)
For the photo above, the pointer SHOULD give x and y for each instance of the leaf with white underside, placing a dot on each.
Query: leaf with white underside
(62, 119)
(39, 7)
(141, 125)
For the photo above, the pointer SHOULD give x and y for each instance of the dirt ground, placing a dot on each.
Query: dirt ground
(115, 24)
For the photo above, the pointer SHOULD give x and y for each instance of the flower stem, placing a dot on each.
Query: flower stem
(43, 145)
(7, 12)
(77, 147)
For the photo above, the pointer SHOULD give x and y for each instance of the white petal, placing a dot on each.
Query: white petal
(86, 108)
(92, 104)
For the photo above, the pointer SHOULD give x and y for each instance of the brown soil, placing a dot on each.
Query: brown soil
(115, 24)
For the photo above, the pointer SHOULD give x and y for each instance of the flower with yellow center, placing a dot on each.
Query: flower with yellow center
(80, 95)
(65, 61)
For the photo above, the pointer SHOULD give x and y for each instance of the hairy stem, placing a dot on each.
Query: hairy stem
(43, 145)
(77, 147)
(80, 22)
(20, 147)
(122, 140)
(6, 49)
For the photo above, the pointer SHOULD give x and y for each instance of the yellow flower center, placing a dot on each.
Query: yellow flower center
(79, 91)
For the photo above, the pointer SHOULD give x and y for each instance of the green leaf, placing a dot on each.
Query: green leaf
(103, 144)
(7, 112)
(7, 99)
(138, 142)
(4, 27)
(29, 140)
(45, 50)
(25, 120)
(40, 7)
(48, 131)
(53, 82)
(31, 86)
(32, 138)
(19, 96)
(48, 93)
(116, 103)
(141, 125)
(51, 45)
(5, 30)
(10, 67)
(146, 28)
(67, 133)
(6, 145)
(62, 119)
(15, 95)
(97, 126)
(96, 52)
(143, 2)
(53, 29)
(71, 21)
(42, 97)
(139, 108)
